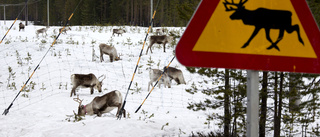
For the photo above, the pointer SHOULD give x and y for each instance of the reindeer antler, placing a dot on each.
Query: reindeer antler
(78, 100)
(118, 57)
(104, 77)
(239, 5)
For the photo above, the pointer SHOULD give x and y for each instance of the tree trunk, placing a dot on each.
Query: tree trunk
(276, 130)
(264, 96)
(226, 105)
(278, 124)
(131, 23)
(127, 12)
(293, 92)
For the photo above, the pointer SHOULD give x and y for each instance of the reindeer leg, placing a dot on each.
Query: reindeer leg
(274, 45)
(73, 91)
(149, 85)
(91, 91)
(255, 32)
(295, 28)
(119, 107)
(101, 57)
(96, 111)
(149, 47)
(111, 58)
(268, 35)
(164, 47)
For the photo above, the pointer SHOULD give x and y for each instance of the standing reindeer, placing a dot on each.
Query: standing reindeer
(109, 50)
(64, 30)
(21, 26)
(263, 18)
(86, 80)
(43, 30)
(118, 31)
(163, 39)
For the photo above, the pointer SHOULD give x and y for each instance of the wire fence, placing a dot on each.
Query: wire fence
(78, 52)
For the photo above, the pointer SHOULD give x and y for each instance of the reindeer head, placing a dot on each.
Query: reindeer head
(81, 108)
(118, 57)
(99, 85)
(238, 8)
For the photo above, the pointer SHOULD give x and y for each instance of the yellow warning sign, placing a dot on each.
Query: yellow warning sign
(230, 31)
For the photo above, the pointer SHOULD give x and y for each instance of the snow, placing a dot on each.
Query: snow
(47, 109)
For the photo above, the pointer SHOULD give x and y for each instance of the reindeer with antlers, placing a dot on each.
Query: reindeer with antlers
(263, 18)
(101, 104)
(86, 80)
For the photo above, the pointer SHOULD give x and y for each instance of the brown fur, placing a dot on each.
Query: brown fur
(64, 30)
(85, 80)
(163, 39)
(21, 26)
(175, 74)
(118, 31)
(109, 50)
(43, 30)
(103, 104)
(154, 74)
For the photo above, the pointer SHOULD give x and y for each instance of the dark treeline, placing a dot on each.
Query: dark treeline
(101, 12)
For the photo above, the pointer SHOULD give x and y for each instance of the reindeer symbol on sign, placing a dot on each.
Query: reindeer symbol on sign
(263, 18)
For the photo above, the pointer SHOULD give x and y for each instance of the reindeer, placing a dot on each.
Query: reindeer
(163, 39)
(154, 75)
(109, 50)
(263, 18)
(118, 31)
(21, 26)
(86, 80)
(64, 30)
(43, 30)
(175, 74)
(101, 104)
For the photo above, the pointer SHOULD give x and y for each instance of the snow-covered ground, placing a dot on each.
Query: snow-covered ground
(45, 107)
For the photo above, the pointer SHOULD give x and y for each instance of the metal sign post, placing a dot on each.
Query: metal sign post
(253, 103)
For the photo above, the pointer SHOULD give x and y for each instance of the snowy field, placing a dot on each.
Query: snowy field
(45, 107)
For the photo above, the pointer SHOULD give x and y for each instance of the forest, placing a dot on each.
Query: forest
(286, 99)
(110, 12)
(101, 12)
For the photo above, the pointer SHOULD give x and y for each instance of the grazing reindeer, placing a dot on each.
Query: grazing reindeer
(21, 26)
(43, 30)
(154, 75)
(118, 31)
(163, 39)
(159, 31)
(101, 104)
(175, 74)
(64, 30)
(86, 80)
(109, 50)
(263, 18)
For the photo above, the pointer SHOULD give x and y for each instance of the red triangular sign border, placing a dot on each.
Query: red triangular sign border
(190, 58)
